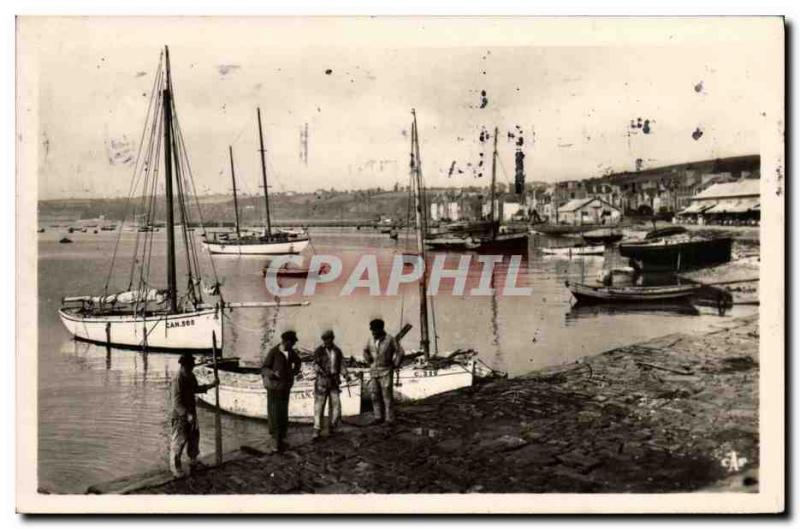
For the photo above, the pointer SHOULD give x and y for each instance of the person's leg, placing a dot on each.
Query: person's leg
(319, 411)
(273, 411)
(387, 394)
(177, 441)
(283, 419)
(193, 444)
(377, 403)
(335, 414)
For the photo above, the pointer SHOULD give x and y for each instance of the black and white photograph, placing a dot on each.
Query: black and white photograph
(400, 264)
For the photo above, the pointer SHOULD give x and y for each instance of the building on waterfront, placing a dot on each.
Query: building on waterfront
(731, 203)
(581, 211)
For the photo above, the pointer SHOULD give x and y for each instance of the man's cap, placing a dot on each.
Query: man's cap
(377, 324)
(289, 335)
(186, 359)
(328, 335)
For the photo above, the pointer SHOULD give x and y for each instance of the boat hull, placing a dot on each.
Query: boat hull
(677, 256)
(418, 382)
(566, 229)
(601, 294)
(168, 332)
(257, 248)
(244, 394)
(575, 251)
(503, 242)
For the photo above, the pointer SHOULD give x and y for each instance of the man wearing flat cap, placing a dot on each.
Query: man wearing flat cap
(280, 367)
(184, 431)
(384, 355)
(329, 366)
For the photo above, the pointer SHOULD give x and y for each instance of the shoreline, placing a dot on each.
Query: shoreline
(677, 413)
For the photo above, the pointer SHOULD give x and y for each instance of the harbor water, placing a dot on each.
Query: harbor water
(102, 413)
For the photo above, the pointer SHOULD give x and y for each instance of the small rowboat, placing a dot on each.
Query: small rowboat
(631, 294)
(571, 251)
(287, 271)
(241, 391)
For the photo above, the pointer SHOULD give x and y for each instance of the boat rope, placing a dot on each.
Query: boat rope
(136, 175)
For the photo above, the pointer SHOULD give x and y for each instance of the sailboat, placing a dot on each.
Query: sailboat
(493, 237)
(428, 374)
(143, 316)
(271, 242)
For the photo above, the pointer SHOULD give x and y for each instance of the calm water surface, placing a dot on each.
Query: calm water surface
(102, 414)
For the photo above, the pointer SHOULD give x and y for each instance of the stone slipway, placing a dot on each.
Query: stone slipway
(679, 413)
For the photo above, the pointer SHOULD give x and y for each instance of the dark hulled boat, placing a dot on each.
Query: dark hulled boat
(602, 236)
(677, 252)
(631, 294)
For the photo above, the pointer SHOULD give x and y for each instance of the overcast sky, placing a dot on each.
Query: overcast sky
(572, 88)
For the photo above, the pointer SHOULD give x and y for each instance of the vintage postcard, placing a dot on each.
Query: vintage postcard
(400, 264)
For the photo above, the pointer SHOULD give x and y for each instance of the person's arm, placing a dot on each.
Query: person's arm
(177, 396)
(296, 363)
(342, 366)
(367, 355)
(397, 358)
(266, 367)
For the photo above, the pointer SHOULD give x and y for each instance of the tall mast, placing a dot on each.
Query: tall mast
(235, 199)
(494, 176)
(172, 290)
(416, 175)
(264, 173)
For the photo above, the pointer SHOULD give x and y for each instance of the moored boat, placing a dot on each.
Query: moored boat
(677, 252)
(602, 236)
(140, 316)
(575, 251)
(241, 392)
(271, 241)
(630, 294)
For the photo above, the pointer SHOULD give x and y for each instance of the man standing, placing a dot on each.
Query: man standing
(277, 372)
(383, 355)
(329, 366)
(183, 418)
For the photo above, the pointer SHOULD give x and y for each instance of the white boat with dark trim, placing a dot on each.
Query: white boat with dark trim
(138, 315)
(241, 391)
(575, 251)
(271, 241)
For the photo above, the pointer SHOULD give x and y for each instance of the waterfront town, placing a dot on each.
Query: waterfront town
(297, 268)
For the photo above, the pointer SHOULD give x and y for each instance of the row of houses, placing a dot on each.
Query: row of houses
(720, 190)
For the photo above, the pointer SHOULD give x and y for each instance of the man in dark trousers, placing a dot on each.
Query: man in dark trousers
(184, 431)
(329, 366)
(383, 355)
(278, 371)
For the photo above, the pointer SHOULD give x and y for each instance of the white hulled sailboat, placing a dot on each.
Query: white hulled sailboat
(271, 242)
(142, 316)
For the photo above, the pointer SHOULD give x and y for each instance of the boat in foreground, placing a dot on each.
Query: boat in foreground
(241, 391)
(628, 294)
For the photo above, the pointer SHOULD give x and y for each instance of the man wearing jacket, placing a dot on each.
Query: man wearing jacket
(280, 367)
(329, 366)
(184, 431)
(383, 355)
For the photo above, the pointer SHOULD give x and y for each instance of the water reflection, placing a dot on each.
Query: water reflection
(102, 412)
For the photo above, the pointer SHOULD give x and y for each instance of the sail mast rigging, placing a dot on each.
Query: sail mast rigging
(235, 199)
(416, 173)
(264, 173)
(172, 291)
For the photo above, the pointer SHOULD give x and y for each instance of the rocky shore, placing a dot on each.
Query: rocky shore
(679, 413)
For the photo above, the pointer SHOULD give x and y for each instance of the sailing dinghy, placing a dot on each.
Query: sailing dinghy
(142, 316)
